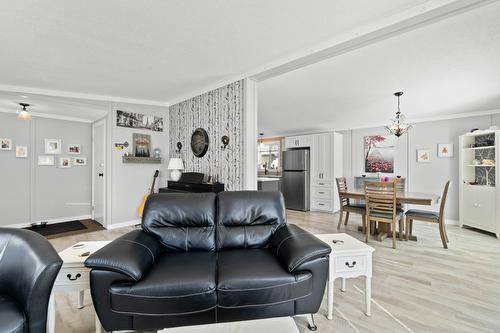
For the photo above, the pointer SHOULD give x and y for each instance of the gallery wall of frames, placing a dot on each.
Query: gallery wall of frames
(45, 170)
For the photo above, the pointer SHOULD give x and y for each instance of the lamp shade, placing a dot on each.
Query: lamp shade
(175, 164)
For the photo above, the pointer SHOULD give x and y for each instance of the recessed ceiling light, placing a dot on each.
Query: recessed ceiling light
(24, 96)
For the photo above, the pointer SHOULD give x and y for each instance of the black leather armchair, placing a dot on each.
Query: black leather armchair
(28, 267)
(206, 258)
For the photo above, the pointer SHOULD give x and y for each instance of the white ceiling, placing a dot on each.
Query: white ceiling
(158, 50)
(449, 67)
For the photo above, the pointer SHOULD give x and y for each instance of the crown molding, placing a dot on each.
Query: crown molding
(410, 19)
(77, 95)
(52, 116)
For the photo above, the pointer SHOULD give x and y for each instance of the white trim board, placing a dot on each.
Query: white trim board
(123, 224)
(50, 221)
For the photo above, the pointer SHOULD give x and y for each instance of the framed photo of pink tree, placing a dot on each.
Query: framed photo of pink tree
(379, 153)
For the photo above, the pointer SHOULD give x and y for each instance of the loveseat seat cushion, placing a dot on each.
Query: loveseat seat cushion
(178, 283)
(11, 316)
(181, 221)
(247, 219)
(254, 277)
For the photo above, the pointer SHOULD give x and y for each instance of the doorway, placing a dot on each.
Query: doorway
(99, 171)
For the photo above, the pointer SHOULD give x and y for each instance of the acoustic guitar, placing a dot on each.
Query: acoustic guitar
(141, 207)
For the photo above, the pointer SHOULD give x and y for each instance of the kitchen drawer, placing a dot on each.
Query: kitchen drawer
(322, 193)
(322, 183)
(350, 264)
(324, 205)
(70, 276)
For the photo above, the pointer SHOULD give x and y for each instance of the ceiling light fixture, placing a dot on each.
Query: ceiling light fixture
(24, 114)
(398, 125)
(261, 140)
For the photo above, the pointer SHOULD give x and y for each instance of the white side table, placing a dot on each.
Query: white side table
(350, 258)
(73, 276)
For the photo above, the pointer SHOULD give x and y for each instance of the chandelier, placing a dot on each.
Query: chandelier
(398, 125)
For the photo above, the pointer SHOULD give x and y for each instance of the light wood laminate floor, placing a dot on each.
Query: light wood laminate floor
(419, 287)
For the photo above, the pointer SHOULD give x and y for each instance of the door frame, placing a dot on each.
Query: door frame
(94, 125)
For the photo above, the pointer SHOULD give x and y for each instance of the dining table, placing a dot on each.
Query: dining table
(402, 197)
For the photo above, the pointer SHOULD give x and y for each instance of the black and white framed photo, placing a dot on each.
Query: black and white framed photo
(74, 149)
(79, 161)
(53, 146)
(5, 144)
(141, 145)
(46, 160)
(21, 151)
(64, 162)
(139, 120)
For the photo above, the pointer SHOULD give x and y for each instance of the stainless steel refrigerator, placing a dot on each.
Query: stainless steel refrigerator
(296, 179)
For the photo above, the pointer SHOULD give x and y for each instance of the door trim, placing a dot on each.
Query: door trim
(102, 123)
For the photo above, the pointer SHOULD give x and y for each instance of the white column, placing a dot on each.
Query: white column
(250, 134)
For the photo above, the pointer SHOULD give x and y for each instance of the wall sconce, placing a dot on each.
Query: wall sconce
(179, 147)
(225, 142)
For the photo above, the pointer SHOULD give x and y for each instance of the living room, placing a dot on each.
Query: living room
(295, 120)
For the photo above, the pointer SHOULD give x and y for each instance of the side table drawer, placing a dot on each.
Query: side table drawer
(350, 264)
(69, 276)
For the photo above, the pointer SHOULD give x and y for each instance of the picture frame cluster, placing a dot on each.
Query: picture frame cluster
(54, 147)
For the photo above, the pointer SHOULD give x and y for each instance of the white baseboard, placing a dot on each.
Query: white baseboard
(123, 224)
(50, 221)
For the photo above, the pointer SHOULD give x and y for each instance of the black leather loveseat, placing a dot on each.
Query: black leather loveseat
(28, 268)
(206, 258)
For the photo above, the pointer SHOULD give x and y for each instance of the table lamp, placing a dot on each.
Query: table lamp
(176, 165)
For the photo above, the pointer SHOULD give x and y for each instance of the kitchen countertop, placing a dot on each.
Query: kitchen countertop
(268, 179)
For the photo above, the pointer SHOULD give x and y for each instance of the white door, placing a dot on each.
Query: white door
(98, 171)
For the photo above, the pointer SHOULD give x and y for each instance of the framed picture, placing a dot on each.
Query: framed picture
(445, 150)
(423, 155)
(79, 161)
(45, 160)
(64, 162)
(21, 151)
(141, 145)
(53, 146)
(379, 153)
(139, 120)
(74, 149)
(5, 144)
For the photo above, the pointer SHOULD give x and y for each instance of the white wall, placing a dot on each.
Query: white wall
(421, 177)
(32, 193)
(128, 183)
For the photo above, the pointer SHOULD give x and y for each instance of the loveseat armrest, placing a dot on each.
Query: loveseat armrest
(131, 254)
(294, 246)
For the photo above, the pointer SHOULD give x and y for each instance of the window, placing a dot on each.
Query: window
(269, 157)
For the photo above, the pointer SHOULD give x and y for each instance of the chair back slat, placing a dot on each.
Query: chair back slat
(443, 199)
(400, 184)
(380, 200)
(342, 187)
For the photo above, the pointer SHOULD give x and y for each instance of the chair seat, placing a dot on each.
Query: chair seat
(356, 205)
(416, 213)
(256, 278)
(178, 283)
(11, 316)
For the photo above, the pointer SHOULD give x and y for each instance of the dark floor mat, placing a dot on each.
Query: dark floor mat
(58, 228)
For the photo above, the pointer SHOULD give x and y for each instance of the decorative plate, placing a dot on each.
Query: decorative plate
(199, 142)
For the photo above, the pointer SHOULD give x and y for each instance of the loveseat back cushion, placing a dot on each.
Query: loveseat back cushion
(247, 219)
(182, 222)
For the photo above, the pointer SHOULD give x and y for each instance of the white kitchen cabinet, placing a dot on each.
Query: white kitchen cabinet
(479, 193)
(301, 141)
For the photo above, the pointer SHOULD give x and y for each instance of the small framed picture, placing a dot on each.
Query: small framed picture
(74, 149)
(141, 144)
(79, 161)
(21, 151)
(64, 162)
(445, 150)
(45, 160)
(5, 144)
(53, 146)
(423, 156)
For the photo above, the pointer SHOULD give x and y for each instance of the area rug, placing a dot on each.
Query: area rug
(56, 230)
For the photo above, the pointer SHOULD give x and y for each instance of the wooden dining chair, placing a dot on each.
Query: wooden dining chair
(347, 206)
(381, 206)
(400, 184)
(430, 216)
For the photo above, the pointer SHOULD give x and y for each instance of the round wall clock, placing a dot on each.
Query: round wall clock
(199, 142)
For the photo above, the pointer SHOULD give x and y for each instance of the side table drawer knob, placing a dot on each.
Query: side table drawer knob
(350, 265)
(69, 276)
